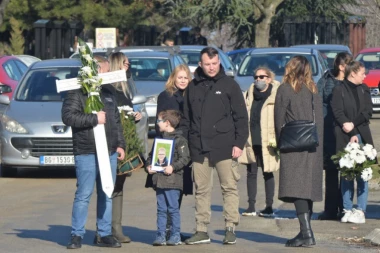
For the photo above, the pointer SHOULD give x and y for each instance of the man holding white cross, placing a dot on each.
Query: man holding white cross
(86, 161)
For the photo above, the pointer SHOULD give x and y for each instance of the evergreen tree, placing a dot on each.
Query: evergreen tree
(17, 39)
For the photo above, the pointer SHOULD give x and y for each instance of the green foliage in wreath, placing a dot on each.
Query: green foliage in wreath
(133, 143)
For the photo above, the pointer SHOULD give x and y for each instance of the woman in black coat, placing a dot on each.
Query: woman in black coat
(352, 108)
(331, 78)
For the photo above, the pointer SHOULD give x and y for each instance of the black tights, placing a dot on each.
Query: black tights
(252, 170)
(303, 206)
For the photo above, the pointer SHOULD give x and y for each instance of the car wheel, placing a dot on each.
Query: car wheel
(6, 171)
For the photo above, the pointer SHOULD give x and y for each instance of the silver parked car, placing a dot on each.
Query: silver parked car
(144, 67)
(31, 131)
(276, 59)
(191, 55)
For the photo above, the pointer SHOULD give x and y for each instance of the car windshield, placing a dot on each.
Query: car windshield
(370, 60)
(150, 69)
(40, 84)
(191, 57)
(329, 56)
(275, 62)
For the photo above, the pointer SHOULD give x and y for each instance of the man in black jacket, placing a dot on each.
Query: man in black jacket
(197, 38)
(86, 163)
(216, 125)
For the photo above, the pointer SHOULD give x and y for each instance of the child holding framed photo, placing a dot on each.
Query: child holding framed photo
(168, 178)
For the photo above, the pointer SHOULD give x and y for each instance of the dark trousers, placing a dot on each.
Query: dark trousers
(333, 196)
(252, 170)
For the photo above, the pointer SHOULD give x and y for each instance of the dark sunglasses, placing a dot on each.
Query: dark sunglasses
(126, 64)
(260, 76)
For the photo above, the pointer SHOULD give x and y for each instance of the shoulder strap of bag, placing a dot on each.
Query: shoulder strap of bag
(312, 106)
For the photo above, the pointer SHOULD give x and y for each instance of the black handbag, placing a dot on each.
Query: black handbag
(299, 135)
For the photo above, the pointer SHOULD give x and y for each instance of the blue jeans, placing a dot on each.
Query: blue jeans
(348, 193)
(168, 202)
(87, 172)
(347, 188)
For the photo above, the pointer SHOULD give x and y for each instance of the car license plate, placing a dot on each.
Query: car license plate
(57, 160)
(375, 100)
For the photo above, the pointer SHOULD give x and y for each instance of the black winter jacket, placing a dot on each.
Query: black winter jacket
(325, 89)
(82, 123)
(215, 117)
(167, 102)
(345, 110)
(181, 159)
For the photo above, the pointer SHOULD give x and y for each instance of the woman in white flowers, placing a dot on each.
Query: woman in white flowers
(352, 108)
(260, 99)
(118, 61)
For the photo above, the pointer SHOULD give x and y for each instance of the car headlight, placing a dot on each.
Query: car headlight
(152, 99)
(12, 125)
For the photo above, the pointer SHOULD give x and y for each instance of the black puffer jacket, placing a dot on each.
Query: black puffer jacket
(214, 116)
(82, 123)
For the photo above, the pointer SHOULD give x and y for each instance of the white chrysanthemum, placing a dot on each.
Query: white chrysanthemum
(82, 49)
(352, 146)
(370, 155)
(346, 161)
(367, 147)
(366, 174)
(86, 71)
(87, 57)
(125, 108)
(358, 156)
(374, 152)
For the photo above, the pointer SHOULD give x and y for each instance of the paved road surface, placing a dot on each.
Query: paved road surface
(35, 211)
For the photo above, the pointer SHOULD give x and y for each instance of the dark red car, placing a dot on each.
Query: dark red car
(11, 71)
(370, 57)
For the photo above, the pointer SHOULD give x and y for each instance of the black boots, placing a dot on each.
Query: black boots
(305, 236)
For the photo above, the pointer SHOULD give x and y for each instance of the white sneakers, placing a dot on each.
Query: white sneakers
(354, 216)
(347, 214)
(357, 217)
(249, 213)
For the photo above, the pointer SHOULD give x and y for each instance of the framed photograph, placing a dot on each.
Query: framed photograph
(162, 153)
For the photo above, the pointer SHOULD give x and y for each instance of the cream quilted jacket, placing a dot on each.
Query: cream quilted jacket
(271, 163)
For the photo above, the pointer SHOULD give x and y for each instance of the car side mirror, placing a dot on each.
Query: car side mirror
(4, 99)
(230, 73)
(139, 99)
(5, 88)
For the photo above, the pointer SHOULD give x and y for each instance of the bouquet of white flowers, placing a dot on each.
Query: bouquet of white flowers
(88, 78)
(356, 160)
